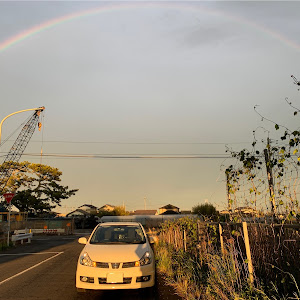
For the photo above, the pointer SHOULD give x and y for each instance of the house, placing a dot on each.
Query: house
(107, 207)
(246, 211)
(186, 212)
(15, 214)
(148, 212)
(89, 208)
(169, 209)
(78, 213)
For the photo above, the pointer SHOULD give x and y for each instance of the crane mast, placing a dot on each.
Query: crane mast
(17, 149)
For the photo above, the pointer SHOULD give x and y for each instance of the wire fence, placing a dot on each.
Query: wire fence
(258, 251)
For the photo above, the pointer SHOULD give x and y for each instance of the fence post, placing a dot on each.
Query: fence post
(184, 239)
(248, 252)
(221, 238)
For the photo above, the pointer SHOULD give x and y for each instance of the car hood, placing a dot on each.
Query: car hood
(116, 253)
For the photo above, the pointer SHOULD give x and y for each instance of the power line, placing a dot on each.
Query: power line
(130, 156)
(140, 143)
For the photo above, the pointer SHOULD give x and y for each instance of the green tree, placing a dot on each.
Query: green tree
(37, 188)
(117, 211)
(206, 209)
(120, 211)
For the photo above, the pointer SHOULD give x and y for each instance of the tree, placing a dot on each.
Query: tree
(117, 211)
(269, 171)
(37, 188)
(206, 209)
(120, 211)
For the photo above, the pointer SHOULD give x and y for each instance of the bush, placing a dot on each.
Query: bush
(204, 209)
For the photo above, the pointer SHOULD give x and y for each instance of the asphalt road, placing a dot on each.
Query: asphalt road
(45, 269)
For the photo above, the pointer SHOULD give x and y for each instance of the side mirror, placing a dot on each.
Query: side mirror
(82, 240)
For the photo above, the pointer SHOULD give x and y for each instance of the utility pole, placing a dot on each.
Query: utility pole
(270, 177)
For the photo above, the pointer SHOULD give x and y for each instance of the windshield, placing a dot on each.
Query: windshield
(124, 234)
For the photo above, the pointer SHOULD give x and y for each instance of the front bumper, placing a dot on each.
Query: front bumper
(110, 279)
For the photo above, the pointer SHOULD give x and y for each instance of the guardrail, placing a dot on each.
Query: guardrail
(45, 231)
(21, 237)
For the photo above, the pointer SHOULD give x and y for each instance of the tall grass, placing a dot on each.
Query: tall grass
(189, 255)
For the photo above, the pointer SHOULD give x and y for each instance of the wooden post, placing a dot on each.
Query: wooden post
(198, 232)
(184, 240)
(270, 177)
(221, 239)
(248, 252)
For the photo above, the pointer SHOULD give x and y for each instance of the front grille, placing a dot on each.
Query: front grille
(126, 280)
(102, 265)
(128, 265)
(115, 265)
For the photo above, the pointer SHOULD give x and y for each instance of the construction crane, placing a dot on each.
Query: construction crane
(17, 149)
(295, 80)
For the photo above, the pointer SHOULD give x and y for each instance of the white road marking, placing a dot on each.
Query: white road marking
(18, 274)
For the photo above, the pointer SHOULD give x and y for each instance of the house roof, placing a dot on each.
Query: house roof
(144, 212)
(169, 206)
(88, 205)
(104, 206)
(79, 212)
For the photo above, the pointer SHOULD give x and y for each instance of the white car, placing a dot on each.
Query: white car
(117, 255)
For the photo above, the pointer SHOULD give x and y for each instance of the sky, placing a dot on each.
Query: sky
(149, 94)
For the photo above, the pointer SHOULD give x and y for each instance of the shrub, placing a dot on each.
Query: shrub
(206, 209)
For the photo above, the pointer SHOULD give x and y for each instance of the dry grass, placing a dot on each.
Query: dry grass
(190, 257)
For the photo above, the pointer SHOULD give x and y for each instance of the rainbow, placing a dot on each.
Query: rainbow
(11, 41)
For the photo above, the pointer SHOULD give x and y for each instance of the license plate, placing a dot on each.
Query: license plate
(114, 278)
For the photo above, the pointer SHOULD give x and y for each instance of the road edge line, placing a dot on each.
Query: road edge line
(26, 270)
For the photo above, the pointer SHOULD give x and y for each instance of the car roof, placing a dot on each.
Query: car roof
(119, 223)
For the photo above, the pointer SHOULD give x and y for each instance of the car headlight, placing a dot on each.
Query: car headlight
(86, 261)
(145, 260)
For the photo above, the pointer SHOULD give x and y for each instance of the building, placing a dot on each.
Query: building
(78, 213)
(246, 211)
(186, 212)
(169, 209)
(89, 208)
(107, 207)
(142, 212)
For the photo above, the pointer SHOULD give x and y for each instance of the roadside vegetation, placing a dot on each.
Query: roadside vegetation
(260, 259)
(206, 209)
(190, 256)
(266, 176)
